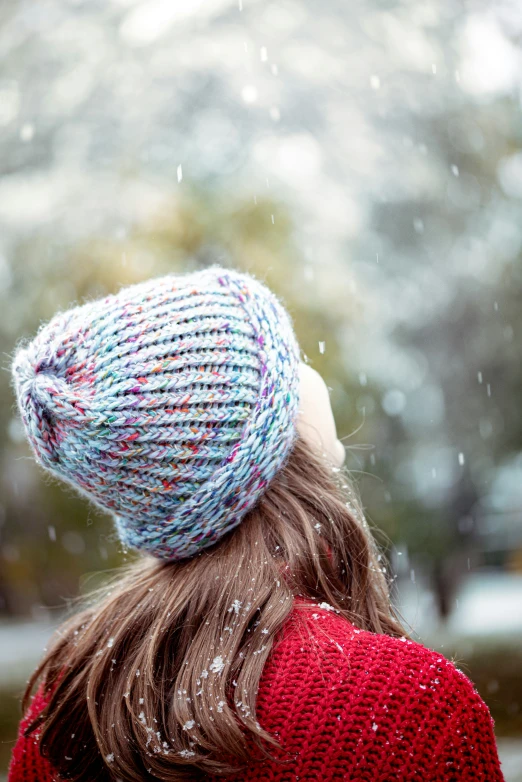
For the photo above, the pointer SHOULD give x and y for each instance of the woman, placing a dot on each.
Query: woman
(253, 638)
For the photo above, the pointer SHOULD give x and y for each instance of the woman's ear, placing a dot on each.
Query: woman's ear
(316, 423)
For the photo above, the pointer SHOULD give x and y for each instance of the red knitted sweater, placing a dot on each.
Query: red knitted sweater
(350, 705)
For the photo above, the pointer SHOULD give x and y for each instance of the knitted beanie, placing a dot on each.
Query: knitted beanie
(171, 404)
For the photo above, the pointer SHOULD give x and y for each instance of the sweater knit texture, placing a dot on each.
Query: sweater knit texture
(171, 404)
(349, 705)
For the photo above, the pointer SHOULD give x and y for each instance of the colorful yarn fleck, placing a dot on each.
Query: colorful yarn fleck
(171, 404)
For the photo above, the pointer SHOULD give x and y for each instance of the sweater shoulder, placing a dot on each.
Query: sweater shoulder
(321, 643)
(340, 697)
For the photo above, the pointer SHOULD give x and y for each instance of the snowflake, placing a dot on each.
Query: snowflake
(217, 664)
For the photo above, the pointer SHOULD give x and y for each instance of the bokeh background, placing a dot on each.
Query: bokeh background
(365, 160)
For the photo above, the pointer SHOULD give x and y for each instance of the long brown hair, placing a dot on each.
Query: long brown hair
(156, 678)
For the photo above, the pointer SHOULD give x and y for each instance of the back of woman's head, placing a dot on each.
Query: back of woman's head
(159, 675)
(197, 454)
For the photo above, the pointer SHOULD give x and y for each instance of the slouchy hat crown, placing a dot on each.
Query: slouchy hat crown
(171, 404)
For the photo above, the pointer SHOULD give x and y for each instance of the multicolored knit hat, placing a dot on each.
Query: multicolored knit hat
(171, 404)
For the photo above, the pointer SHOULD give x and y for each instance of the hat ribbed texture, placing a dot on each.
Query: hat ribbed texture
(171, 404)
